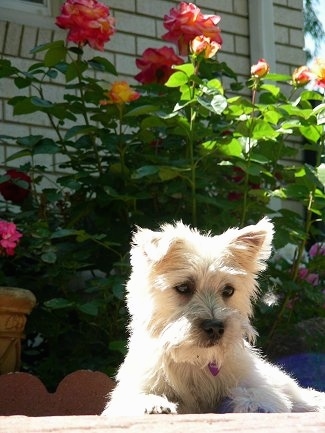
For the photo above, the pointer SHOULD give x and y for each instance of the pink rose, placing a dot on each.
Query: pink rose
(9, 238)
(185, 22)
(88, 22)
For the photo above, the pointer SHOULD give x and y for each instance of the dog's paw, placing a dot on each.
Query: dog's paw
(156, 404)
(259, 400)
(140, 404)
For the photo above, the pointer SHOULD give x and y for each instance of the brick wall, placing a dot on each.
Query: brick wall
(139, 26)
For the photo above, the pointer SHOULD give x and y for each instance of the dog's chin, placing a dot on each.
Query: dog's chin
(209, 342)
(199, 354)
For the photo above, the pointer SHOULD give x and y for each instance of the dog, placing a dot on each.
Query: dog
(190, 297)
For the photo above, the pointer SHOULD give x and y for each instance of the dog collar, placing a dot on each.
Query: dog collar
(214, 369)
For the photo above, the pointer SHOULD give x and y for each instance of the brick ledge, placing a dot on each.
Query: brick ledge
(230, 423)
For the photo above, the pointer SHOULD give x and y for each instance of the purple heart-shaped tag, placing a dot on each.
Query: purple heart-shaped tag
(214, 369)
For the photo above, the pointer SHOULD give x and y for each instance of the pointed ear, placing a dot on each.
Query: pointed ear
(252, 245)
(149, 245)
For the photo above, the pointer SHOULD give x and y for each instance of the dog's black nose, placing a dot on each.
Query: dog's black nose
(213, 328)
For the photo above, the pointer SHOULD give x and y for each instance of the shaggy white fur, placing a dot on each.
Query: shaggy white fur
(190, 347)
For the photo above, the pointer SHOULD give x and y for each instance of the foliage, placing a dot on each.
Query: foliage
(203, 147)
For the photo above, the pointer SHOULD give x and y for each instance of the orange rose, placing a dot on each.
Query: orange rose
(156, 65)
(120, 93)
(88, 22)
(260, 69)
(301, 76)
(318, 69)
(185, 22)
(203, 45)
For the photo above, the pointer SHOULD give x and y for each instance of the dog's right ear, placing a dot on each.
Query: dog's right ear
(151, 246)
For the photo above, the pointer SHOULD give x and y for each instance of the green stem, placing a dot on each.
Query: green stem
(248, 160)
(193, 169)
(121, 146)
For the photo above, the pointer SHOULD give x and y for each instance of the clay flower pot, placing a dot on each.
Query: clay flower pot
(15, 304)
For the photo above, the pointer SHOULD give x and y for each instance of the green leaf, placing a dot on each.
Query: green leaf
(46, 146)
(29, 140)
(319, 111)
(143, 109)
(216, 84)
(63, 233)
(79, 130)
(262, 130)
(49, 257)
(118, 346)
(278, 77)
(58, 304)
(168, 173)
(55, 55)
(91, 308)
(49, 45)
(217, 104)
(233, 148)
(187, 68)
(177, 79)
(41, 103)
(75, 69)
(101, 64)
(321, 173)
(22, 82)
(6, 68)
(18, 155)
(274, 90)
(146, 170)
(22, 105)
(311, 132)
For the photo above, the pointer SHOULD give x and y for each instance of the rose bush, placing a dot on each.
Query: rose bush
(179, 145)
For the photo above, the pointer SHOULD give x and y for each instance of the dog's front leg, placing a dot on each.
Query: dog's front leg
(139, 404)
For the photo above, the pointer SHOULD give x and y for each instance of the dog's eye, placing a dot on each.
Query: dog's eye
(184, 288)
(228, 291)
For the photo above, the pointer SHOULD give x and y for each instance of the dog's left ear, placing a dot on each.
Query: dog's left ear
(252, 245)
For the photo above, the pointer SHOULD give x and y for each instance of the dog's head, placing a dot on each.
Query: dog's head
(193, 292)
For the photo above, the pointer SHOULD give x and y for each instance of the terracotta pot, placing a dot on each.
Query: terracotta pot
(15, 304)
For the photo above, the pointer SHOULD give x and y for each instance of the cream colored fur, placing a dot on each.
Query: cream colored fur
(166, 369)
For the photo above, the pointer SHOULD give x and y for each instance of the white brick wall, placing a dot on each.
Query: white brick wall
(139, 26)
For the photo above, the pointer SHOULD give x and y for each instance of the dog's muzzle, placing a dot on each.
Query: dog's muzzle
(214, 329)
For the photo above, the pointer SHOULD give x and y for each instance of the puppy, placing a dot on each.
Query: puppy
(190, 348)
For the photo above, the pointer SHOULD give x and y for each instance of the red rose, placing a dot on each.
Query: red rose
(156, 65)
(185, 22)
(17, 187)
(88, 22)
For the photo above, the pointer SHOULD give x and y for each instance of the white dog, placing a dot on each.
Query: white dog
(190, 300)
